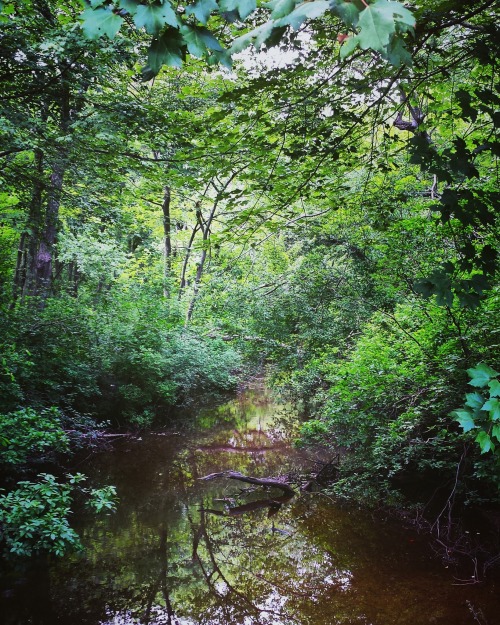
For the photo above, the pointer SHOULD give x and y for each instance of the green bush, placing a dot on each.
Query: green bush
(34, 518)
(30, 435)
(388, 402)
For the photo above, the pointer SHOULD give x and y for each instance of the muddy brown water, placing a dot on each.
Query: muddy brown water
(181, 551)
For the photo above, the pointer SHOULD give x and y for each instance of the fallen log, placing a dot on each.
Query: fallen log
(274, 505)
(266, 481)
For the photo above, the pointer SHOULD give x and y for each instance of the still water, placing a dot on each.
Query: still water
(182, 551)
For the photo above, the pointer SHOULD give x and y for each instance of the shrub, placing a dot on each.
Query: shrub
(34, 518)
(31, 435)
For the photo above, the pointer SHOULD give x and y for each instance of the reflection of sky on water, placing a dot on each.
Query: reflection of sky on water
(256, 569)
(180, 551)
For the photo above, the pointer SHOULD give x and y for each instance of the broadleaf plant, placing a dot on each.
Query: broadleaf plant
(379, 25)
(481, 410)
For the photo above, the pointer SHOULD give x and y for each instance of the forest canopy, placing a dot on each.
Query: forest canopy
(191, 192)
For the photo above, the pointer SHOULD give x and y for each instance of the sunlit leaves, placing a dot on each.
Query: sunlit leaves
(474, 400)
(380, 25)
(494, 388)
(243, 7)
(198, 40)
(485, 442)
(376, 25)
(347, 11)
(256, 37)
(130, 6)
(305, 11)
(493, 407)
(280, 8)
(466, 419)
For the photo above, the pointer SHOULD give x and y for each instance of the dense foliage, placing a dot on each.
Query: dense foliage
(327, 207)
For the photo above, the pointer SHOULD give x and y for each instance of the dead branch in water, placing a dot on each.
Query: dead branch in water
(266, 481)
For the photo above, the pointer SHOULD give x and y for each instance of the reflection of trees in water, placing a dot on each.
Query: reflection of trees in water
(229, 570)
(164, 559)
(184, 552)
(255, 573)
(242, 563)
(229, 600)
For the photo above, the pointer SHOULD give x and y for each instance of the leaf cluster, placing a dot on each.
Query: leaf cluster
(482, 408)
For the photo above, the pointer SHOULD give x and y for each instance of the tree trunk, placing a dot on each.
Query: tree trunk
(33, 275)
(44, 255)
(24, 276)
(182, 285)
(168, 242)
(205, 228)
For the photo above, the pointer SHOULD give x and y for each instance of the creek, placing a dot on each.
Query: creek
(182, 551)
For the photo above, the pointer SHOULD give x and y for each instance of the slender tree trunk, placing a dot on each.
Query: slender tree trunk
(73, 278)
(24, 277)
(205, 228)
(186, 260)
(168, 242)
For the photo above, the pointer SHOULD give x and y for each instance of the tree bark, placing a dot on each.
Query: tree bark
(167, 252)
(24, 276)
(266, 481)
(182, 285)
(44, 256)
(36, 274)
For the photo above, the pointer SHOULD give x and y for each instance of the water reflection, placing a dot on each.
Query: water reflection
(181, 551)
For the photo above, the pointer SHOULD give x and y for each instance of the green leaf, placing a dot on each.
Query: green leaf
(99, 22)
(474, 400)
(244, 7)
(264, 32)
(155, 17)
(485, 442)
(481, 375)
(494, 388)
(493, 407)
(347, 11)
(240, 43)
(202, 10)
(465, 419)
(495, 431)
(220, 57)
(439, 284)
(376, 25)
(306, 10)
(128, 5)
(165, 50)
(397, 53)
(198, 40)
(280, 8)
(394, 11)
(350, 44)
